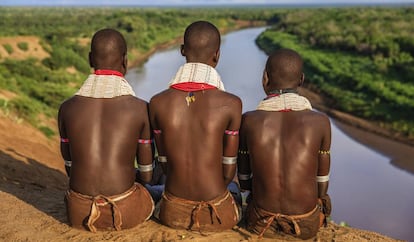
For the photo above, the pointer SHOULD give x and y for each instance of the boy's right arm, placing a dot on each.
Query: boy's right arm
(231, 141)
(145, 155)
(324, 159)
(244, 173)
(157, 133)
(64, 142)
(324, 162)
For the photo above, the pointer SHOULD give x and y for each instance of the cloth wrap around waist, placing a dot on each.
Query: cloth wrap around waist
(215, 215)
(303, 226)
(140, 199)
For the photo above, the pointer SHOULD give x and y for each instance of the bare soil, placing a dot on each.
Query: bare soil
(34, 50)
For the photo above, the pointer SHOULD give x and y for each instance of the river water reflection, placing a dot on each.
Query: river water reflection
(367, 191)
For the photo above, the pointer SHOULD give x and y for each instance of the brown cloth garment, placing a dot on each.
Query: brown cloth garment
(216, 215)
(304, 226)
(122, 211)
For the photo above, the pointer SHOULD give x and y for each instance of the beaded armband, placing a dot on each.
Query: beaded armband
(324, 152)
(243, 152)
(145, 168)
(322, 178)
(64, 140)
(68, 163)
(162, 159)
(244, 177)
(229, 160)
(231, 132)
(144, 141)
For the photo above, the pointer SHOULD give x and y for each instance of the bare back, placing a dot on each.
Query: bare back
(284, 158)
(194, 142)
(103, 136)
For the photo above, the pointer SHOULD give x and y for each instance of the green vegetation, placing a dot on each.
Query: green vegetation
(361, 59)
(8, 48)
(23, 46)
(41, 85)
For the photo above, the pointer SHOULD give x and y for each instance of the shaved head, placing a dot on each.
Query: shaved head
(201, 42)
(284, 69)
(108, 49)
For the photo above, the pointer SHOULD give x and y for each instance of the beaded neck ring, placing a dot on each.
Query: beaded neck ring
(278, 92)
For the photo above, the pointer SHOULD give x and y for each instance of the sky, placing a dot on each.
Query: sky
(193, 2)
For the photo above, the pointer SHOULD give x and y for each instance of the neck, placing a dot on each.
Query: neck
(108, 72)
(281, 91)
(278, 92)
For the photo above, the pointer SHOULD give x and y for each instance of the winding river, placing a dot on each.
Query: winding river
(369, 187)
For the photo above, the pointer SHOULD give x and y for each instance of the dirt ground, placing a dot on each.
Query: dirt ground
(32, 185)
(34, 49)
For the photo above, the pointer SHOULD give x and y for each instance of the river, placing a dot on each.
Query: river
(367, 189)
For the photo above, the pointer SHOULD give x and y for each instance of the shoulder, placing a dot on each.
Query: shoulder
(159, 100)
(138, 101)
(230, 99)
(231, 96)
(67, 107)
(322, 117)
(159, 96)
(250, 117)
(66, 103)
(318, 119)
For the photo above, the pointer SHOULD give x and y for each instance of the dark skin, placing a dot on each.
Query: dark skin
(103, 133)
(283, 146)
(192, 136)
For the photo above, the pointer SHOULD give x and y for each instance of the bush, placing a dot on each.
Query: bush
(23, 46)
(47, 131)
(8, 48)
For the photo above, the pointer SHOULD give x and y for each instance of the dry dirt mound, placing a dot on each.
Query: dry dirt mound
(32, 185)
(9, 48)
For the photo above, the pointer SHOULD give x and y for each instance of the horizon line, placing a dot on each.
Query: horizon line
(399, 3)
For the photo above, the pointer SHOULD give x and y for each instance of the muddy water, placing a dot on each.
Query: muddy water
(371, 185)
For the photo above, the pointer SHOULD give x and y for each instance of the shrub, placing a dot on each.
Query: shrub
(8, 48)
(23, 46)
(47, 131)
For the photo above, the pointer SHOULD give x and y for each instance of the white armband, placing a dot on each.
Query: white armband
(322, 178)
(162, 159)
(145, 168)
(229, 160)
(68, 163)
(244, 177)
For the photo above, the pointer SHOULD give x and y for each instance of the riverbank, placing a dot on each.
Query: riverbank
(320, 103)
(398, 148)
